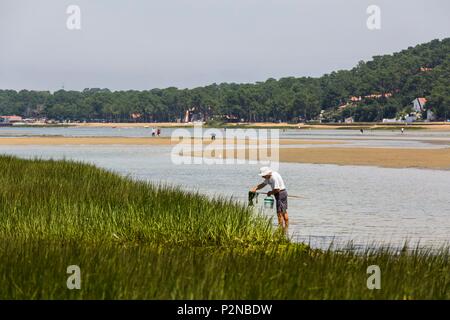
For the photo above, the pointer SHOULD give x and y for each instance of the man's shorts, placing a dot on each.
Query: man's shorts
(282, 201)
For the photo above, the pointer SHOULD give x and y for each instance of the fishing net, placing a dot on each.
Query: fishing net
(252, 196)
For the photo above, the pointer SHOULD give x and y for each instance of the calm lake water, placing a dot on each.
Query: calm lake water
(361, 204)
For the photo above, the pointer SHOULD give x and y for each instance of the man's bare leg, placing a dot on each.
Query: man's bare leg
(280, 219)
(286, 219)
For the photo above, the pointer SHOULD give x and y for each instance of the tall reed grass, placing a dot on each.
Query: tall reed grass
(133, 240)
(62, 201)
(37, 270)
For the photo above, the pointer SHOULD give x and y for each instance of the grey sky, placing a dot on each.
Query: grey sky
(143, 44)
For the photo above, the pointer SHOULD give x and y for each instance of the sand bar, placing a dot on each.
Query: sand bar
(57, 140)
(380, 157)
(383, 157)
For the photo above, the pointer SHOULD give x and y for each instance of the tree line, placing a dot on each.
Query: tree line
(384, 87)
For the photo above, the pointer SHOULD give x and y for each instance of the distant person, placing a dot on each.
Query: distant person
(153, 132)
(402, 130)
(158, 132)
(275, 181)
(361, 130)
(213, 136)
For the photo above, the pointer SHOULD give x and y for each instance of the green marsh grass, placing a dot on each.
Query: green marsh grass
(60, 200)
(134, 240)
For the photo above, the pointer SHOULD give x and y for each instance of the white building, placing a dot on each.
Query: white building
(10, 119)
(394, 120)
(349, 120)
(419, 104)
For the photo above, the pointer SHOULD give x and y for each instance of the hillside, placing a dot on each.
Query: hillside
(381, 88)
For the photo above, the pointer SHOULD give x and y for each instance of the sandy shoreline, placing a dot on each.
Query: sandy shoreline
(379, 157)
(57, 140)
(382, 157)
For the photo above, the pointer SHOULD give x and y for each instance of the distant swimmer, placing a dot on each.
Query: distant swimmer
(361, 130)
(403, 130)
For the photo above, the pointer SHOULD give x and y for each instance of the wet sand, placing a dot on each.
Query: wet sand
(437, 142)
(382, 157)
(83, 141)
(40, 140)
(379, 157)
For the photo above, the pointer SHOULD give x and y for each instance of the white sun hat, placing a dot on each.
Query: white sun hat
(265, 171)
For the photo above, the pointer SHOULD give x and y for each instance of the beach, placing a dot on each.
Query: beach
(379, 157)
(57, 140)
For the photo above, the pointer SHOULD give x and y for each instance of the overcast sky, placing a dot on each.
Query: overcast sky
(144, 44)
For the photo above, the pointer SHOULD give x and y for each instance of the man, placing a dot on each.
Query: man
(275, 181)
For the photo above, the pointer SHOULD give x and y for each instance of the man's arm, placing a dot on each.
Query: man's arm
(259, 186)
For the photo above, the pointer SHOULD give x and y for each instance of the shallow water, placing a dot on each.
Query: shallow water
(375, 138)
(361, 204)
